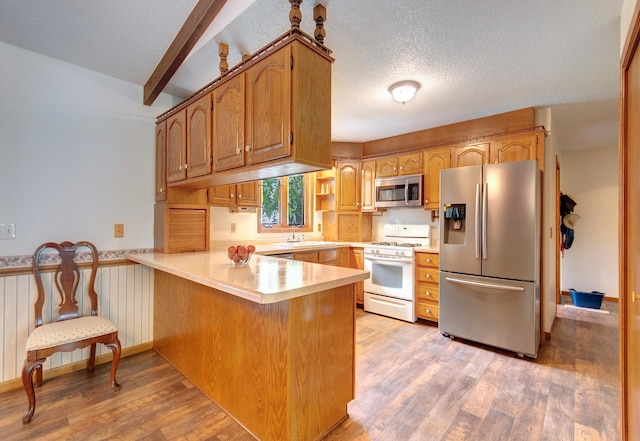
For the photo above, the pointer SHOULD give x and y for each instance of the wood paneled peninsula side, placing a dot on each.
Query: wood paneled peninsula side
(272, 342)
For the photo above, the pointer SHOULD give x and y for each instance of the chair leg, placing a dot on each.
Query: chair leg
(92, 358)
(39, 375)
(27, 381)
(116, 349)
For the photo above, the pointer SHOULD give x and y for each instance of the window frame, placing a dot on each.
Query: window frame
(308, 182)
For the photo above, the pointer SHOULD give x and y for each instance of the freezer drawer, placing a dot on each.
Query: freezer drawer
(496, 312)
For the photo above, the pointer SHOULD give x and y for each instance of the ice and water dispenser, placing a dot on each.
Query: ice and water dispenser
(455, 224)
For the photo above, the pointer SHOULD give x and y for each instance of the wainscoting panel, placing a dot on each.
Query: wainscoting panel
(125, 296)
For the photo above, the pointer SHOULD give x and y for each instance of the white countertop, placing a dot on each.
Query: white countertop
(265, 280)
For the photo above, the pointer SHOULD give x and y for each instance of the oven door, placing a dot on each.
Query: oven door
(389, 276)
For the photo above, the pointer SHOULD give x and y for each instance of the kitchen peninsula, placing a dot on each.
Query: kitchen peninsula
(272, 342)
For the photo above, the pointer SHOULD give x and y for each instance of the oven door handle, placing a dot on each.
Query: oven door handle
(400, 260)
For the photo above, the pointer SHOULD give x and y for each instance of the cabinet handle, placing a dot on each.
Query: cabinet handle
(428, 260)
(428, 276)
(239, 150)
(186, 166)
(180, 168)
(161, 189)
(248, 149)
(426, 201)
(230, 195)
(427, 310)
(240, 195)
(427, 293)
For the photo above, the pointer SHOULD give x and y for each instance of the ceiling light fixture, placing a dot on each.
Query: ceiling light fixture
(404, 91)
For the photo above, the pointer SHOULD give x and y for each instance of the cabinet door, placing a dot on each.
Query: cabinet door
(386, 167)
(368, 176)
(475, 154)
(161, 161)
(228, 124)
(177, 147)
(224, 195)
(410, 164)
(348, 186)
(357, 262)
(247, 194)
(199, 137)
(268, 128)
(516, 149)
(434, 161)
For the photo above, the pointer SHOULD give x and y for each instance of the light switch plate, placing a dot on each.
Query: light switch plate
(7, 231)
(118, 230)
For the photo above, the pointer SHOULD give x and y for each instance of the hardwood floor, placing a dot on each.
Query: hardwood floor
(411, 384)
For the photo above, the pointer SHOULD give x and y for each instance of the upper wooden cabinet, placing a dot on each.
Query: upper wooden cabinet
(409, 164)
(234, 195)
(471, 154)
(177, 146)
(269, 108)
(199, 158)
(228, 124)
(189, 141)
(348, 186)
(517, 148)
(434, 161)
(367, 185)
(161, 161)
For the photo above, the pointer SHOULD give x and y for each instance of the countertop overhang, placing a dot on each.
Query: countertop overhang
(265, 280)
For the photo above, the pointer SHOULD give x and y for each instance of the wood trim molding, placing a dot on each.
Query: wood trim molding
(196, 24)
(22, 270)
(77, 366)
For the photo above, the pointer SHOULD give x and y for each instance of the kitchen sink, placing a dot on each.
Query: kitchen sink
(305, 244)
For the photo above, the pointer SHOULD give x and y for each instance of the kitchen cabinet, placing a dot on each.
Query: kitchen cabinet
(189, 141)
(348, 186)
(367, 185)
(181, 227)
(325, 187)
(408, 164)
(434, 161)
(518, 148)
(161, 161)
(357, 262)
(228, 124)
(345, 226)
(332, 256)
(471, 154)
(177, 146)
(238, 195)
(427, 278)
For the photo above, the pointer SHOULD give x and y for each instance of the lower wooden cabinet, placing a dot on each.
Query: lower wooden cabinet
(427, 278)
(333, 256)
(357, 262)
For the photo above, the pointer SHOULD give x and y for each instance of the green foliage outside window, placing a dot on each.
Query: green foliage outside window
(279, 194)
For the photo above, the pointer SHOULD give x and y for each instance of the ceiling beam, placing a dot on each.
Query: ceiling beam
(196, 24)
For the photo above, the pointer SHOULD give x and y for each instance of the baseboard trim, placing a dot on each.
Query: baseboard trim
(77, 366)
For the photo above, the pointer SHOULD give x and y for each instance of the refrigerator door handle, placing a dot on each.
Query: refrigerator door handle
(485, 285)
(484, 220)
(478, 226)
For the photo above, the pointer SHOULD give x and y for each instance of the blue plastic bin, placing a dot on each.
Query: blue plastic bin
(591, 299)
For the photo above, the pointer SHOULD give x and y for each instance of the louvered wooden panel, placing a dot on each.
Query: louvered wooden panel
(187, 229)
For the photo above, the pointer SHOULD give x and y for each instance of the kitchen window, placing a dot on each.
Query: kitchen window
(284, 202)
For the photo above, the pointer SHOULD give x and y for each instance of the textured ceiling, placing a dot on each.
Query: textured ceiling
(473, 58)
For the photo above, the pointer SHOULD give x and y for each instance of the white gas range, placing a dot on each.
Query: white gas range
(390, 288)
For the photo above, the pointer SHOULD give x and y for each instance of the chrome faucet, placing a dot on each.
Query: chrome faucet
(293, 234)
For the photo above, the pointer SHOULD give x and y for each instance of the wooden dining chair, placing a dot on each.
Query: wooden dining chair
(70, 330)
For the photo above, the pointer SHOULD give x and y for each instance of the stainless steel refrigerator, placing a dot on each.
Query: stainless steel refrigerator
(490, 255)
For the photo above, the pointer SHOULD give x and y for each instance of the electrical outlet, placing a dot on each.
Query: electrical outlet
(319, 228)
(118, 230)
(7, 231)
(233, 227)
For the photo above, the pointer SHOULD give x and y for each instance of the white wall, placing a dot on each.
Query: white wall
(628, 6)
(76, 155)
(590, 176)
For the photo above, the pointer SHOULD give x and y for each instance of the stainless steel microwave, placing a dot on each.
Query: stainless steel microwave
(398, 191)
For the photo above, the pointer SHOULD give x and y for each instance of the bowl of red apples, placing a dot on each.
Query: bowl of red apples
(240, 254)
